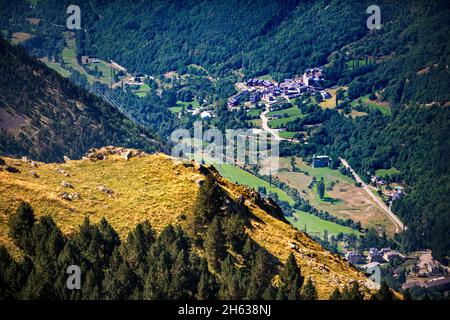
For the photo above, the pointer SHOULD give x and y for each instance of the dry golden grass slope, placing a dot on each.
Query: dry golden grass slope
(161, 190)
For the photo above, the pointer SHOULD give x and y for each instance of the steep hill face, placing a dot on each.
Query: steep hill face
(161, 190)
(44, 116)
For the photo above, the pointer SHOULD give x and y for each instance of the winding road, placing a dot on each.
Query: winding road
(273, 132)
(398, 224)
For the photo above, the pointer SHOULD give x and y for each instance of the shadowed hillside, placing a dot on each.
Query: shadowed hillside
(44, 116)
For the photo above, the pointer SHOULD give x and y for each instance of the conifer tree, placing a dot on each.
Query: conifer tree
(119, 281)
(234, 231)
(291, 280)
(260, 275)
(207, 286)
(384, 293)
(215, 243)
(230, 280)
(352, 292)
(208, 204)
(335, 295)
(321, 188)
(20, 225)
(309, 291)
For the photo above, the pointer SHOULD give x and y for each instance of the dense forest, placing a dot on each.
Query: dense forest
(44, 116)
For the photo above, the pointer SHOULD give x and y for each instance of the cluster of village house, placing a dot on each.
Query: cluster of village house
(394, 194)
(268, 91)
(375, 256)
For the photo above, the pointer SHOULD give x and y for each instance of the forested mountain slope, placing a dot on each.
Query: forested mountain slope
(44, 116)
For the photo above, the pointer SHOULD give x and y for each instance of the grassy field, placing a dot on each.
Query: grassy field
(243, 177)
(265, 77)
(70, 58)
(143, 91)
(292, 111)
(181, 104)
(57, 67)
(254, 112)
(139, 187)
(331, 103)
(385, 172)
(327, 174)
(281, 122)
(255, 122)
(382, 106)
(104, 68)
(287, 134)
(315, 226)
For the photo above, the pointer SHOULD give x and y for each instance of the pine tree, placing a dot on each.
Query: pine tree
(136, 247)
(260, 275)
(291, 280)
(181, 286)
(208, 204)
(230, 280)
(6, 277)
(234, 231)
(248, 250)
(352, 292)
(207, 286)
(119, 281)
(110, 237)
(336, 295)
(321, 188)
(384, 293)
(215, 243)
(20, 225)
(407, 295)
(309, 291)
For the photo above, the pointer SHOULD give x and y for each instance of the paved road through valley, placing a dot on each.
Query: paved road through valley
(398, 224)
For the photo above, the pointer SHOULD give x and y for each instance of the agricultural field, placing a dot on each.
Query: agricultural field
(292, 111)
(286, 116)
(301, 220)
(70, 58)
(243, 177)
(281, 122)
(313, 225)
(344, 200)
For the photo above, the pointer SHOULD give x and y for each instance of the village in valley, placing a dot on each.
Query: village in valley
(271, 92)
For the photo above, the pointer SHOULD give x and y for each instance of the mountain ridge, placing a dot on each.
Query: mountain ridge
(98, 197)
